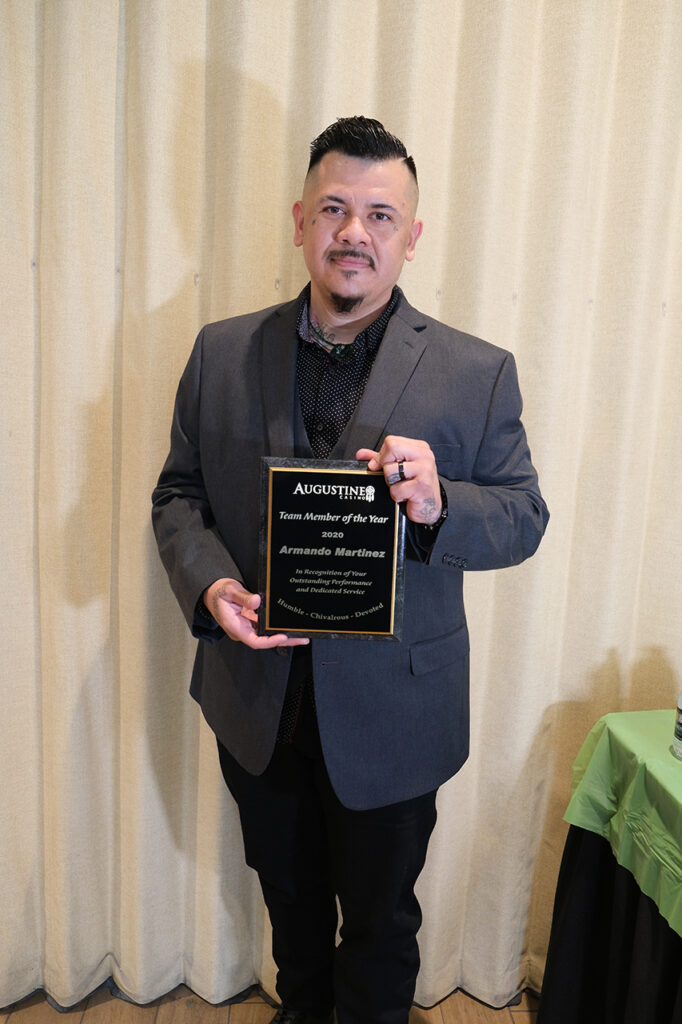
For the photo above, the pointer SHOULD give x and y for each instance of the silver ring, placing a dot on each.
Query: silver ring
(401, 471)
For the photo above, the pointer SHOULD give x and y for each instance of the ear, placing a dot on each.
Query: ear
(297, 213)
(415, 232)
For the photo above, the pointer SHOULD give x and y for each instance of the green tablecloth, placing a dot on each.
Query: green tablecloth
(627, 787)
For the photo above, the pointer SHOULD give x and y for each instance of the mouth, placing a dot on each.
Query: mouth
(350, 259)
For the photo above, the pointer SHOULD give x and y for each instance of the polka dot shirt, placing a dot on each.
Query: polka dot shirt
(329, 386)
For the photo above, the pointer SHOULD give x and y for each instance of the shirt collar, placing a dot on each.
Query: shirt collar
(370, 337)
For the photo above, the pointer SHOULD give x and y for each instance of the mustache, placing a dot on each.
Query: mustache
(355, 254)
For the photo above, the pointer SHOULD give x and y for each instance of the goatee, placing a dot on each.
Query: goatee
(346, 303)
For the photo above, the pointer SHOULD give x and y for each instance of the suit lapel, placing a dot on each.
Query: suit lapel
(399, 353)
(278, 378)
(398, 356)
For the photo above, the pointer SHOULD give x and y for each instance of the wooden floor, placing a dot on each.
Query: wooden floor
(183, 1007)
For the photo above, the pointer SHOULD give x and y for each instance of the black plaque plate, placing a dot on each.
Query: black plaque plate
(332, 551)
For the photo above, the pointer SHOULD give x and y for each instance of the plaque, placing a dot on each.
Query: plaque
(332, 551)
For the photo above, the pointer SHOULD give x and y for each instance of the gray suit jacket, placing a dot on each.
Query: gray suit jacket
(393, 716)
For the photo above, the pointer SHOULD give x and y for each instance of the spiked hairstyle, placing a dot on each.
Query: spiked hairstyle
(362, 137)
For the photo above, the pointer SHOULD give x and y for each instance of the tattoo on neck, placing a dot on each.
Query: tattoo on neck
(323, 331)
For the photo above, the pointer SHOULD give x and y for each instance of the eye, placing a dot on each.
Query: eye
(334, 211)
(381, 217)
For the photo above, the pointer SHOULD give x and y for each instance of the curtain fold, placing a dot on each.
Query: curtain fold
(151, 156)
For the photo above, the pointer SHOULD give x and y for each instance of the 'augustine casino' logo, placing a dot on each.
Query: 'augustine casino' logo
(360, 492)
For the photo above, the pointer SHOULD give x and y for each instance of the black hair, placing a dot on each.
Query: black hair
(362, 137)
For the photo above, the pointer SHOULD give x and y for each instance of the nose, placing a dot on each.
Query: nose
(352, 231)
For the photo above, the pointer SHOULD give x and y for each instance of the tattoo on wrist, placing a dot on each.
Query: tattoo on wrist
(428, 510)
(215, 599)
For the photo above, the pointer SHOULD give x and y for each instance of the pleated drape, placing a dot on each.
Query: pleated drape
(150, 156)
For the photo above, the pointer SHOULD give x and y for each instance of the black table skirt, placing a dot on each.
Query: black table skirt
(612, 958)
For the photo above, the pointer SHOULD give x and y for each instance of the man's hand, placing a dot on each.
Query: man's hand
(409, 469)
(234, 608)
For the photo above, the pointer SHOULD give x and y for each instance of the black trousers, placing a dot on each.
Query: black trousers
(308, 849)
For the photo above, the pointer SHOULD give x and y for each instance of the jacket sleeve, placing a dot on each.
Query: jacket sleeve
(189, 543)
(497, 517)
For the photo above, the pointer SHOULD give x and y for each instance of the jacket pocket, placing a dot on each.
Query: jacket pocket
(430, 655)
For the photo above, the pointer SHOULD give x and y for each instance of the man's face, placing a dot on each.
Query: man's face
(356, 226)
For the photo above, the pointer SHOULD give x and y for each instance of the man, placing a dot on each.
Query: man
(334, 748)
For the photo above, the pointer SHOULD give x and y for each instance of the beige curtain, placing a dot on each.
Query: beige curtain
(150, 154)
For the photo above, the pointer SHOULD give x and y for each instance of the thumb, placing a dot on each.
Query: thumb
(367, 455)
